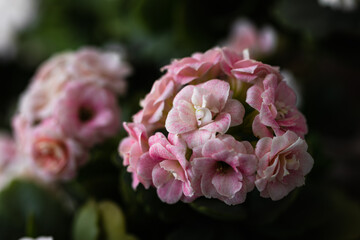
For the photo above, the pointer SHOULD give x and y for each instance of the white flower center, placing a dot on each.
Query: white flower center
(282, 110)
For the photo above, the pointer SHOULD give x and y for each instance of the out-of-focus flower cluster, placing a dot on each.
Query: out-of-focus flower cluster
(218, 124)
(69, 106)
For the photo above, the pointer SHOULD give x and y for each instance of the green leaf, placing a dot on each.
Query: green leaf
(29, 209)
(113, 220)
(86, 222)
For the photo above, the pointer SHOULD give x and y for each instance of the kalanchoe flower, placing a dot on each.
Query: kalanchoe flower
(198, 104)
(54, 155)
(132, 148)
(167, 166)
(198, 66)
(276, 103)
(201, 111)
(87, 112)
(283, 163)
(225, 169)
(157, 103)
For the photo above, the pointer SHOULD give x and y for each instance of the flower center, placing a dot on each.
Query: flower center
(85, 114)
(282, 110)
(50, 155)
(222, 167)
(203, 116)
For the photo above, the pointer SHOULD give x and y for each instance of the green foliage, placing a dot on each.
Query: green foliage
(103, 220)
(27, 209)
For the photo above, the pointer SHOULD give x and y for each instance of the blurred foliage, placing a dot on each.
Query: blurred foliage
(27, 209)
(319, 45)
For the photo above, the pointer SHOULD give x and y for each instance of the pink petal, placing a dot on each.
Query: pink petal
(219, 89)
(263, 146)
(213, 146)
(181, 120)
(253, 97)
(170, 192)
(220, 125)
(285, 94)
(145, 167)
(236, 111)
(158, 151)
(259, 129)
(185, 94)
(227, 184)
(197, 137)
(174, 167)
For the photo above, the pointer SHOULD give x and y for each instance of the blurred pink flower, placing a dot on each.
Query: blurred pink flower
(54, 155)
(276, 102)
(47, 87)
(224, 169)
(168, 168)
(283, 163)
(201, 111)
(87, 112)
(245, 35)
(106, 68)
(132, 148)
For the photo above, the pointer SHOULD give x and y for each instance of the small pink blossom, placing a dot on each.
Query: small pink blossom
(245, 35)
(283, 163)
(157, 103)
(225, 169)
(132, 148)
(168, 168)
(276, 103)
(53, 154)
(201, 111)
(87, 112)
(198, 66)
(106, 68)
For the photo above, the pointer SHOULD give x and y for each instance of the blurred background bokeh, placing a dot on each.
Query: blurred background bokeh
(317, 43)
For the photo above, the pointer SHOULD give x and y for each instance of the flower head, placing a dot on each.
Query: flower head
(283, 163)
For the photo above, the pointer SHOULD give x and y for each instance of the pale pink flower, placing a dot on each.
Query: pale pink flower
(54, 155)
(106, 68)
(201, 111)
(245, 35)
(200, 66)
(132, 148)
(283, 163)
(276, 102)
(252, 71)
(167, 167)
(87, 112)
(224, 169)
(157, 103)
(90, 65)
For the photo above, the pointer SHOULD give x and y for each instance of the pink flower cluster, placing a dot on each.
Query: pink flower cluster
(218, 124)
(70, 105)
